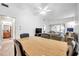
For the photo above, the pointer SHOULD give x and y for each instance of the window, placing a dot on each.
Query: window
(57, 28)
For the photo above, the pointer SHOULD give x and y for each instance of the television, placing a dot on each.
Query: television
(38, 30)
(70, 29)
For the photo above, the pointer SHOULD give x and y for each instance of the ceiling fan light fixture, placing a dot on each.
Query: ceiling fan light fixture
(43, 12)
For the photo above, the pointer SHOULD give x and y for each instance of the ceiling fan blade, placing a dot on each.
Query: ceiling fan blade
(40, 8)
(45, 8)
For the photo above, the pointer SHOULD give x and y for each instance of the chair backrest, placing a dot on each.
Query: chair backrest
(24, 35)
(19, 51)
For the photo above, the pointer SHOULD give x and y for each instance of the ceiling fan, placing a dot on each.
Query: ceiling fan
(43, 11)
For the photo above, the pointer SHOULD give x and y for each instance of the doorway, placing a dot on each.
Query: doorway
(7, 27)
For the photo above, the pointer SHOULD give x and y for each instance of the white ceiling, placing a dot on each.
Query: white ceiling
(58, 10)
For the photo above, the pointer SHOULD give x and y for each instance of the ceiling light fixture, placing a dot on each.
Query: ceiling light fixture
(43, 11)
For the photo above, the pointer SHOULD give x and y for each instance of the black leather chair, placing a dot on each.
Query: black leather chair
(24, 35)
(18, 49)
